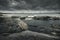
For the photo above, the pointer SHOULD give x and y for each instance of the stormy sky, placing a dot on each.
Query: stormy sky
(29, 4)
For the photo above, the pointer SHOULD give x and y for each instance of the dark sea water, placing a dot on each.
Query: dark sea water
(43, 22)
(44, 26)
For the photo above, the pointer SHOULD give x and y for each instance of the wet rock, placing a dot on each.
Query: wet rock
(12, 25)
(41, 18)
(29, 35)
(56, 18)
(3, 38)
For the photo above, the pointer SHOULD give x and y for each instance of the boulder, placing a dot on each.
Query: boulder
(12, 25)
(29, 35)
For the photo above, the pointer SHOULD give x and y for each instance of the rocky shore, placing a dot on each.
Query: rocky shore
(13, 28)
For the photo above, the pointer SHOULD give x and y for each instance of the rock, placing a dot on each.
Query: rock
(41, 18)
(12, 25)
(3, 38)
(29, 35)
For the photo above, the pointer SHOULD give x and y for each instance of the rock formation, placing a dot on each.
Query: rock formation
(9, 24)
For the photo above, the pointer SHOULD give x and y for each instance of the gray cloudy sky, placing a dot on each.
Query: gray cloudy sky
(29, 4)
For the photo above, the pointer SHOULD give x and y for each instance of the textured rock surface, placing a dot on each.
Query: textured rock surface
(12, 25)
(28, 35)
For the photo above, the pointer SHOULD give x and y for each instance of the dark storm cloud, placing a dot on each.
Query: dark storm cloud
(29, 4)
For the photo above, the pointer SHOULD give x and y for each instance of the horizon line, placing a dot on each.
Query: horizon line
(30, 11)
